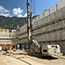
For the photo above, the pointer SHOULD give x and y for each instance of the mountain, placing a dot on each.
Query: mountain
(11, 22)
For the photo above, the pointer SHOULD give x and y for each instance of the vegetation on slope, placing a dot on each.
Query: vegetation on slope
(11, 22)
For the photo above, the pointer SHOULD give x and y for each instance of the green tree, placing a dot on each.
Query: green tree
(45, 10)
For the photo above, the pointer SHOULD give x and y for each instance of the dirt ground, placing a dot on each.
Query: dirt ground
(21, 58)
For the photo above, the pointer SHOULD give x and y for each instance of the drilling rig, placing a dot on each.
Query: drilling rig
(33, 46)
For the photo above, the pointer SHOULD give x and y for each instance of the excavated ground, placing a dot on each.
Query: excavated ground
(20, 57)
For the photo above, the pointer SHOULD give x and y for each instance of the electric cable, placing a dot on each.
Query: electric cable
(34, 7)
(31, 5)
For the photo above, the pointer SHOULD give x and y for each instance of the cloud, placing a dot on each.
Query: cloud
(22, 15)
(4, 12)
(19, 15)
(17, 11)
(25, 15)
(10, 16)
(6, 15)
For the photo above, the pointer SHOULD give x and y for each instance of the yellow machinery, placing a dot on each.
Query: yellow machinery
(0, 45)
(12, 46)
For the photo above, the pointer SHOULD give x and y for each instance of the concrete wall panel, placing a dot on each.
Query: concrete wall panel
(36, 19)
(61, 4)
(58, 15)
(63, 23)
(24, 41)
(60, 24)
(52, 17)
(40, 16)
(23, 28)
(53, 9)
(46, 13)
(63, 34)
(22, 36)
(62, 47)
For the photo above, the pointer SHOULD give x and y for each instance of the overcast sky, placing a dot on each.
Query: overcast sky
(10, 8)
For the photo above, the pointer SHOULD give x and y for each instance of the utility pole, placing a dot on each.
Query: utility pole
(29, 24)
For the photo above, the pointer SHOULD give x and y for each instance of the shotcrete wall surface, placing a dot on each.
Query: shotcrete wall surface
(5, 38)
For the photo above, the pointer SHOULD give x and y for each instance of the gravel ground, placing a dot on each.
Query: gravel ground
(21, 58)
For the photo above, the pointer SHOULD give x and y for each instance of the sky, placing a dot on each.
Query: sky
(10, 8)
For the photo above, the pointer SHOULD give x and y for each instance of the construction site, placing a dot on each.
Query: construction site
(39, 42)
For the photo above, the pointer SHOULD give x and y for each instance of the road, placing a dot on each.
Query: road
(21, 58)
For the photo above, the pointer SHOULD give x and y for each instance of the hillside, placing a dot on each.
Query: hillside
(11, 22)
